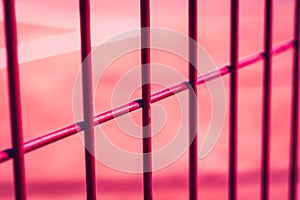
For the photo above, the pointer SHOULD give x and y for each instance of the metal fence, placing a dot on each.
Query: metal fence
(19, 148)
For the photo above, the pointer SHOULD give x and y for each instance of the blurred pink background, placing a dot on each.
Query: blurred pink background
(49, 54)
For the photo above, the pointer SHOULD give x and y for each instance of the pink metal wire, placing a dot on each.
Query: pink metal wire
(72, 129)
(146, 98)
(87, 91)
(293, 173)
(193, 149)
(15, 99)
(265, 159)
(233, 120)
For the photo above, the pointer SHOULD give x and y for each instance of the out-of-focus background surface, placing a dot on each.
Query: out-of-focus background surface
(48, 33)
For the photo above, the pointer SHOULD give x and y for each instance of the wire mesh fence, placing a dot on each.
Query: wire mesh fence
(19, 148)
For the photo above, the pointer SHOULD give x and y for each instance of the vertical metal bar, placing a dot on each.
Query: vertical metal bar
(15, 98)
(233, 99)
(193, 150)
(87, 91)
(146, 96)
(265, 169)
(293, 176)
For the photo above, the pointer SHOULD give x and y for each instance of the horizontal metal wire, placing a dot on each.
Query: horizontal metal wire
(72, 129)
